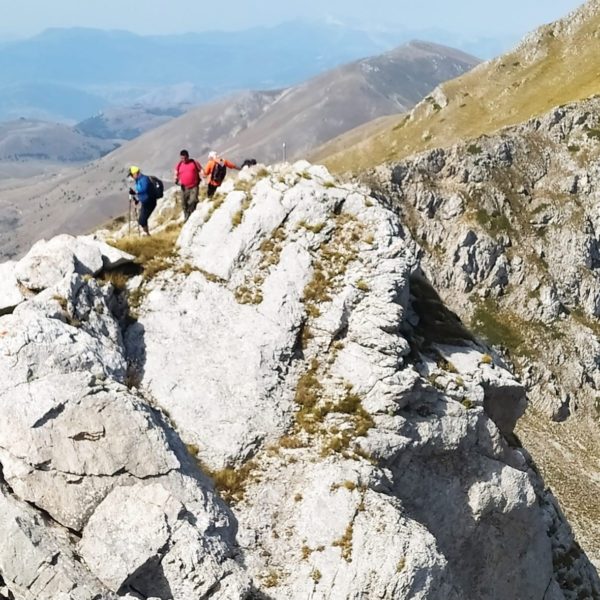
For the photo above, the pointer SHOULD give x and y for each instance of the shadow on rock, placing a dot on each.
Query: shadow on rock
(135, 346)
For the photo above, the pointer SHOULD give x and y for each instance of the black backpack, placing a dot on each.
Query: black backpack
(218, 173)
(158, 187)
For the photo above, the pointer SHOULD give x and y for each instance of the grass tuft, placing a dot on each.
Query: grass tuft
(232, 482)
(345, 543)
(153, 253)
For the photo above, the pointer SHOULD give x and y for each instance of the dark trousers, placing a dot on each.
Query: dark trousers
(146, 209)
(210, 192)
(189, 200)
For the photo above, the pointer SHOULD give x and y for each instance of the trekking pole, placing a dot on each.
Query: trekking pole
(129, 229)
(137, 217)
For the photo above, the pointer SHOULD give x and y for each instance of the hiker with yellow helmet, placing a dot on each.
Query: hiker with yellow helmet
(143, 195)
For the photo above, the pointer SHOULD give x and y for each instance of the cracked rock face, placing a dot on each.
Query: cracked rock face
(74, 442)
(284, 350)
(508, 226)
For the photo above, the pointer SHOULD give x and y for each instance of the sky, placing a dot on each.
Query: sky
(24, 18)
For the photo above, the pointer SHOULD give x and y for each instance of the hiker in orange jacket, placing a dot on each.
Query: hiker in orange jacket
(215, 171)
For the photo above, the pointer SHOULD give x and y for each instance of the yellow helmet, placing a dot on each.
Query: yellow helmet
(134, 170)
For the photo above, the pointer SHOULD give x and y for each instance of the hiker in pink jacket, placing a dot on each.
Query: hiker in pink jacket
(188, 173)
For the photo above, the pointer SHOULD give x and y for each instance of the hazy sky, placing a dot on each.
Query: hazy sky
(483, 18)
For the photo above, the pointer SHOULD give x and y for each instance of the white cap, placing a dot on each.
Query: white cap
(212, 154)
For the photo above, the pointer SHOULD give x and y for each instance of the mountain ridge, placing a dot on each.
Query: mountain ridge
(509, 235)
(256, 406)
(554, 65)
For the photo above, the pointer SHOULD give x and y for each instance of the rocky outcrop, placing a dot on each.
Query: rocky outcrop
(510, 222)
(48, 262)
(78, 449)
(508, 228)
(360, 439)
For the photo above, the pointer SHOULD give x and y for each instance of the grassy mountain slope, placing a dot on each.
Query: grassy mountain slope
(558, 63)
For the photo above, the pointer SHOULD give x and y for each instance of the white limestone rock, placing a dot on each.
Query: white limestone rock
(238, 388)
(361, 458)
(111, 256)
(72, 434)
(147, 515)
(323, 532)
(142, 537)
(504, 398)
(68, 459)
(65, 329)
(37, 561)
(217, 246)
(49, 261)
(10, 292)
(213, 365)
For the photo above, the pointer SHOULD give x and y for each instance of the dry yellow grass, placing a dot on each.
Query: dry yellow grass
(567, 454)
(155, 252)
(559, 65)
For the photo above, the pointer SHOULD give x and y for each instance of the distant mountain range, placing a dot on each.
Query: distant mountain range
(248, 124)
(27, 139)
(128, 122)
(42, 79)
(257, 124)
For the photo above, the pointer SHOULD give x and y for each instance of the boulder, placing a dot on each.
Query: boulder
(49, 261)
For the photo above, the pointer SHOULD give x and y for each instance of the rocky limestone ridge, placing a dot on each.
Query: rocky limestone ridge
(533, 44)
(508, 227)
(266, 411)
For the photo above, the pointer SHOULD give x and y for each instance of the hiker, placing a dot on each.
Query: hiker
(249, 162)
(144, 194)
(188, 173)
(215, 171)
